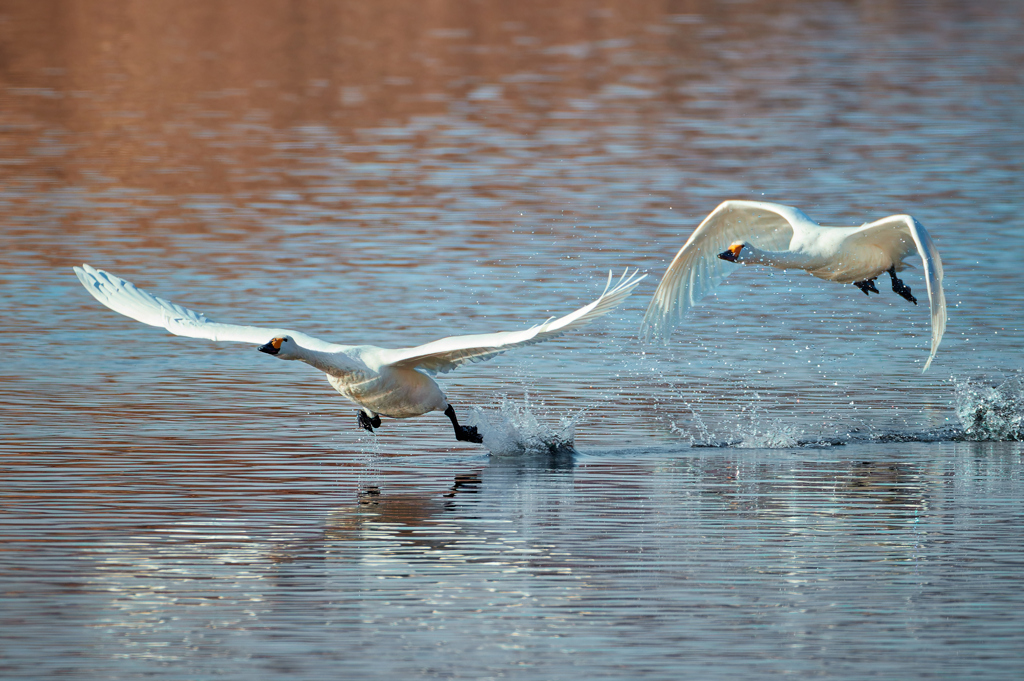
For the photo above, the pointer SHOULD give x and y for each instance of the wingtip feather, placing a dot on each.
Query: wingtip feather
(929, 362)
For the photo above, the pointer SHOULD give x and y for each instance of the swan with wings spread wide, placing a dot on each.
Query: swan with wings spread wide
(761, 233)
(382, 381)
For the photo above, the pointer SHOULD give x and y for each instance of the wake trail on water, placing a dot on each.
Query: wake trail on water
(985, 412)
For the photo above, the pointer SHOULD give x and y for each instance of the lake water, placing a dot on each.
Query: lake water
(779, 491)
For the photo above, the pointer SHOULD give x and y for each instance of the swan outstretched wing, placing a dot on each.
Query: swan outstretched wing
(697, 269)
(898, 236)
(448, 353)
(131, 301)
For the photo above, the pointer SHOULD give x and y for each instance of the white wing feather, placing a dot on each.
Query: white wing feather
(933, 280)
(894, 235)
(697, 269)
(131, 301)
(448, 353)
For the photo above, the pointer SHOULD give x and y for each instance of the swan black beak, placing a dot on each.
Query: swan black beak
(731, 255)
(269, 348)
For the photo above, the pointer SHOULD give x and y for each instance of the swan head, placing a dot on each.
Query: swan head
(732, 254)
(282, 347)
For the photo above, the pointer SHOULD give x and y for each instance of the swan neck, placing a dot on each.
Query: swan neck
(777, 259)
(316, 359)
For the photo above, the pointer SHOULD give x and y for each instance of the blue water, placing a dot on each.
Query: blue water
(780, 490)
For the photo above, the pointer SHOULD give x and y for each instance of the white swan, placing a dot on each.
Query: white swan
(382, 381)
(761, 233)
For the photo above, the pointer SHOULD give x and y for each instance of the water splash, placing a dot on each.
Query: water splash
(514, 429)
(370, 478)
(990, 413)
(750, 428)
(755, 434)
(773, 434)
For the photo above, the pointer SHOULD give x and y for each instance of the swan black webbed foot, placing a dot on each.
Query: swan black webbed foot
(463, 433)
(899, 287)
(366, 422)
(866, 285)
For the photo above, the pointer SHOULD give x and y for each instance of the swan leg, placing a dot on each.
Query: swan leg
(464, 433)
(366, 422)
(866, 285)
(899, 287)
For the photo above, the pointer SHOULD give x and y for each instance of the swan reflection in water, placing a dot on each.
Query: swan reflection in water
(516, 537)
(490, 513)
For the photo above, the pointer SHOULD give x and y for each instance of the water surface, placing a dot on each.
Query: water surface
(780, 490)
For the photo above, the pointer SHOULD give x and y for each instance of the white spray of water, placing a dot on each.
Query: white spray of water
(986, 412)
(370, 477)
(751, 427)
(514, 429)
(771, 434)
(990, 413)
(755, 434)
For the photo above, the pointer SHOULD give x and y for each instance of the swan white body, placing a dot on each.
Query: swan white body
(771, 234)
(382, 381)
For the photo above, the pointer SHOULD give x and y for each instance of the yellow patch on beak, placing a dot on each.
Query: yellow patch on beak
(735, 249)
(276, 343)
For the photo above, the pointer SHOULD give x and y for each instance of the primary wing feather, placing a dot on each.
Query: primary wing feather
(131, 301)
(448, 353)
(697, 269)
(933, 280)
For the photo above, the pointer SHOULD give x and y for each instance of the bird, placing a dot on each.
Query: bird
(388, 382)
(762, 233)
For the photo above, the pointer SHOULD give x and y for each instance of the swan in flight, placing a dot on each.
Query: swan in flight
(761, 233)
(382, 381)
